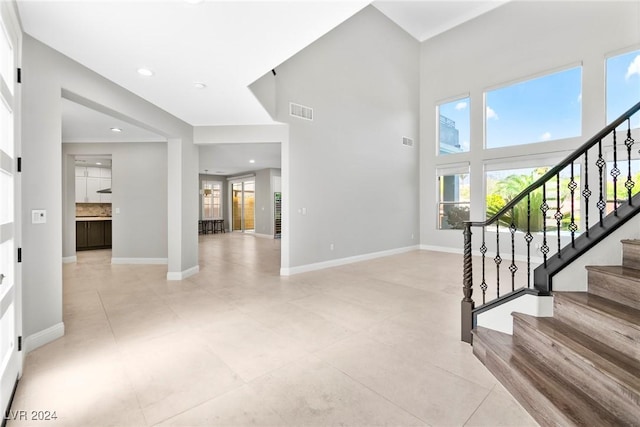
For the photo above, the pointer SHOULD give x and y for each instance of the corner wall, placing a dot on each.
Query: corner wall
(348, 181)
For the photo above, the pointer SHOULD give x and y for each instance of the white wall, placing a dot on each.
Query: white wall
(348, 168)
(514, 42)
(46, 74)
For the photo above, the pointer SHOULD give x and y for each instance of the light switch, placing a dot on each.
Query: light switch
(117, 211)
(38, 216)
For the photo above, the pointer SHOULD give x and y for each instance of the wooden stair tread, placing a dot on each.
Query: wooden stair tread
(610, 362)
(561, 398)
(609, 307)
(630, 242)
(616, 270)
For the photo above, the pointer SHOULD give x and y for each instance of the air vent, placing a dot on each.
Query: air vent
(300, 111)
(407, 141)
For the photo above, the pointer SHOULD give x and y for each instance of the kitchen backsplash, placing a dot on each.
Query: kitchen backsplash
(93, 209)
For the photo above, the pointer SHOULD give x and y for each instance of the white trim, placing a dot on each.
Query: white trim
(342, 261)
(69, 259)
(263, 236)
(500, 319)
(139, 261)
(180, 275)
(43, 337)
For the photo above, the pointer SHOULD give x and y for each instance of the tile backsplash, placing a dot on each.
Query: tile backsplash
(93, 209)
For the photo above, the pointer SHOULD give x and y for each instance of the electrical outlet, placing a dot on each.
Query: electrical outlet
(331, 247)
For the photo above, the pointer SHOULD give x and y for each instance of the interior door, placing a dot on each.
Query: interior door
(10, 312)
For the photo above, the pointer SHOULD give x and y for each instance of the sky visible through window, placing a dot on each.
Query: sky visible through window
(623, 85)
(458, 112)
(542, 109)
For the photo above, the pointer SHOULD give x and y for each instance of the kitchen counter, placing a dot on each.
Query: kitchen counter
(93, 218)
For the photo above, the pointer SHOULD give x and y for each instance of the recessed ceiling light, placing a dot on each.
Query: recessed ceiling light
(116, 130)
(145, 72)
(194, 1)
(252, 161)
(199, 85)
(219, 171)
(98, 163)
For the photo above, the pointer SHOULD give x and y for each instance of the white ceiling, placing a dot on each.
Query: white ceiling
(225, 44)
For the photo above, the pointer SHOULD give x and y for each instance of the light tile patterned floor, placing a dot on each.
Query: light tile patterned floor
(372, 343)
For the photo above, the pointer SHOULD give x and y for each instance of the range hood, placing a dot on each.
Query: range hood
(104, 191)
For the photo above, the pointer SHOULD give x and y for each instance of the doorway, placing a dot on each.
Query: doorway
(243, 196)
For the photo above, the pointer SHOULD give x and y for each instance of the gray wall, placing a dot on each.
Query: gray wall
(517, 41)
(264, 201)
(46, 74)
(348, 168)
(139, 184)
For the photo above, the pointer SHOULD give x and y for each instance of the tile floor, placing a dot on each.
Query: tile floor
(372, 343)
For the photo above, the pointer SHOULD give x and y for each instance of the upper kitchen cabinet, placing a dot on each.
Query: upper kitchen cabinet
(89, 180)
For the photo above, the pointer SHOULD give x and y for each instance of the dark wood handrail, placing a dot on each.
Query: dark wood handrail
(556, 169)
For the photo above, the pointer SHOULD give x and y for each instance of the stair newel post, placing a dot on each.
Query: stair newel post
(467, 304)
(629, 143)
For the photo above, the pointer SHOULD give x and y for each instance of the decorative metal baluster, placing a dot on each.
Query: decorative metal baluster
(615, 172)
(498, 259)
(629, 143)
(573, 227)
(601, 163)
(528, 238)
(558, 215)
(586, 192)
(544, 208)
(513, 267)
(483, 285)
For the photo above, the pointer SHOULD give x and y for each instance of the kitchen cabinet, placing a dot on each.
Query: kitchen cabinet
(95, 234)
(88, 181)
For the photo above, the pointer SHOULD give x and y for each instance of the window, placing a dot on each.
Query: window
(623, 85)
(504, 185)
(211, 200)
(453, 126)
(542, 109)
(454, 198)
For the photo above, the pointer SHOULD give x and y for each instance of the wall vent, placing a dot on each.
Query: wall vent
(407, 141)
(300, 111)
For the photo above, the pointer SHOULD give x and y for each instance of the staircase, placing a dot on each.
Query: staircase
(582, 366)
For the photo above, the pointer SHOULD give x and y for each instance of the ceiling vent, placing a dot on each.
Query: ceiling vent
(300, 111)
(407, 141)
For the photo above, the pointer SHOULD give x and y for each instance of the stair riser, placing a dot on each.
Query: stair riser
(544, 412)
(619, 289)
(620, 400)
(616, 333)
(631, 255)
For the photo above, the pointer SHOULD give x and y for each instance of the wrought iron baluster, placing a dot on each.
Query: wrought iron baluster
(513, 267)
(498, 259)
(629, 143)
(615, 172)
(483, 285)
(601, 163)
(544, 208)
(558, 215)
(573, 227)
(586, 192)
(528, 238)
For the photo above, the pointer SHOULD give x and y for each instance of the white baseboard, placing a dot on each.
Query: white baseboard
(264, 236)
(138, 260)
(69, 259)
(43, 337)
(180, 275)
(288, 271)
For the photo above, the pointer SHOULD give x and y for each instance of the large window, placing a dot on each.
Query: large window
(454, 198)
(453, 126)
(504, 185)
(623, 85)
(211, 200)
(542, 109)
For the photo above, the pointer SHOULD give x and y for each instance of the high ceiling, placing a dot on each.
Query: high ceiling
(226, 45)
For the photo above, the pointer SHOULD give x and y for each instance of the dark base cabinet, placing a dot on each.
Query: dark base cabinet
(93, 235)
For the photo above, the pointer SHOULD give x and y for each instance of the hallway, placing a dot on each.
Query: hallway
(372, 343)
